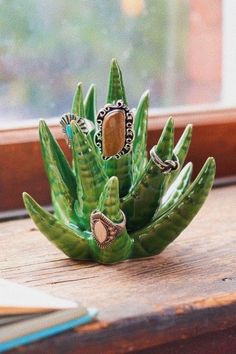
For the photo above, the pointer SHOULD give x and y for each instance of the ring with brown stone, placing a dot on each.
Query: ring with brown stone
(104, 230)
(115, 134)
(166, 166)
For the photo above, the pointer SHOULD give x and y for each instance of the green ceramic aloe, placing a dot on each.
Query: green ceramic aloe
(157, 206)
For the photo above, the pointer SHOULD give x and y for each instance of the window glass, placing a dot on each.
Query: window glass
(172, 47)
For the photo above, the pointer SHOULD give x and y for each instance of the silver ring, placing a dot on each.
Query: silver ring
(166, 166)
(104, 230)
(85, 125)
(123, 145)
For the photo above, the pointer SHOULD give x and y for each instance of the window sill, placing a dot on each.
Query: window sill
(22, 169)
(185, 315)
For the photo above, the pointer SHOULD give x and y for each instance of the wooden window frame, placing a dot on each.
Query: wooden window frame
(21, 167)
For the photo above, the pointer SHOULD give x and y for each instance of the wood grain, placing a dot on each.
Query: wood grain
(188, 290)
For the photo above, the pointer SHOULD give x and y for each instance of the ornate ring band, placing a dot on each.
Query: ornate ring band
(104, 230)
(85, 125)
(166, 166)
(114, 120)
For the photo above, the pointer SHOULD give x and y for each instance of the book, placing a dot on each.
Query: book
(27, 315)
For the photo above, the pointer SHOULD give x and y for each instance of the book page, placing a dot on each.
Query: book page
(16, 299)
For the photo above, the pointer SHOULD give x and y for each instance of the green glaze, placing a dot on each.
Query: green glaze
(73, 244)
(139, 160)
(121, 168)
(181, 150)
(109, 201)
(154, 207)
(85, 108)
(109, 204)
(116, 90)
(160, 232)
(78, 102)
(150, 187)
(175, 191)
(90, 176)
(60, 176)
(90, 105)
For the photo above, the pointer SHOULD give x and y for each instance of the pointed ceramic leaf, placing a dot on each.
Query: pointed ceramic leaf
(90, 104)
(121, 168)
(145, 197)
(140, 142)
(72, 244)
(159, 233)
(78, 102)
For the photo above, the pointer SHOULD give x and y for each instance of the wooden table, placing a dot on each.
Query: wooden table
(182, 301)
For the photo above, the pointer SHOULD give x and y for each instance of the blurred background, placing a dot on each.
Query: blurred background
(184, 51)
(176, 48)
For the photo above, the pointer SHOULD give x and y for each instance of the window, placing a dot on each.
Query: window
(171, 47)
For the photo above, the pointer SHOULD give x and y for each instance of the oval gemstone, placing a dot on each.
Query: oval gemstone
(100, 232)
(113, 133)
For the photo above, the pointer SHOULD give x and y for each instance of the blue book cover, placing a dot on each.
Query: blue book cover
(43, 326)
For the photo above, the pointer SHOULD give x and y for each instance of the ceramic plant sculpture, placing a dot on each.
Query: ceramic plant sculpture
(114, 203)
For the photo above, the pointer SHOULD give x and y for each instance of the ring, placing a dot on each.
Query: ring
(116, 121)
(104, 230)
(166, 166)
(84, 124)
